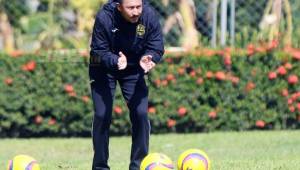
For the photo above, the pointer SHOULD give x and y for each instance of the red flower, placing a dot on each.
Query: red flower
(288, 66)
(170, 77)
(152, 110)
(209, 74)
(294, 96)
(182, 111)
(72, 94)
(169, 60)
(157, 82)
(85, 99)
(193, 73)
(260, 124)
(51, 121)
(293, 79)
(250, 49)
(227, 59)
(30, 66)
(285, 92)
(208, 52)
(84, 53)
(38, 119)
(68, 88)
(171, 123)
(281, 70)
(181, 71)
(16, 53)
(235, 80)
(298, 107)
(118, 110)
(212, 114)
(220, 75)
(273, 44)
(292, 109)
(227, 50)
(200, 80)
(250, 86)
(290, 101)
(296, 54)
(164, 82)
(272, 75)
(8, 81)
(260, 49)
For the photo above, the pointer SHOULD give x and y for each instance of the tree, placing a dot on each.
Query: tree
(185, 16)
(274, 18)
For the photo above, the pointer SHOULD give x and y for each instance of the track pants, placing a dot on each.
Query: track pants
(135, 92)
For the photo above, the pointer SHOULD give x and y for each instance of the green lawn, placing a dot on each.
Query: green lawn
(266, 150)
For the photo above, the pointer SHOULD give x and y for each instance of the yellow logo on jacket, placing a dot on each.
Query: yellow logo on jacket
(140, 30)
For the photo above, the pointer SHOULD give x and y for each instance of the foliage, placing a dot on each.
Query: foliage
(86, 10)
(48, 94)
(15, 8)
(57, 24)
(36, 98)
(52, 24)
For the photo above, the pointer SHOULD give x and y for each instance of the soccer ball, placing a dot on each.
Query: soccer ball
(23, 162)
(156, 161)
(193, 159)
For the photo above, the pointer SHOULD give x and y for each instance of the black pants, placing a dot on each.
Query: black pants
(135, 92)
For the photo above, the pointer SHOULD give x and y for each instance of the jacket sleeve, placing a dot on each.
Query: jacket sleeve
(154, 43)
(100, 48)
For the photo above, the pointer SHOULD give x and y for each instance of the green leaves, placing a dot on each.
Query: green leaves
(49, 94)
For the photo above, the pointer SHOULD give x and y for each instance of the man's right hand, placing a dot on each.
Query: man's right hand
(122, 61)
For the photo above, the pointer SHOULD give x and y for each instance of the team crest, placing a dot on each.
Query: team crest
(140, 30)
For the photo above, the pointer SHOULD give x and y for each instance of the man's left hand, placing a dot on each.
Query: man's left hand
(146, 63)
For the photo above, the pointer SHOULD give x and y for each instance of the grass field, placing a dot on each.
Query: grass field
(260, 150)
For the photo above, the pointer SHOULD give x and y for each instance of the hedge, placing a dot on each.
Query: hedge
(48, 94)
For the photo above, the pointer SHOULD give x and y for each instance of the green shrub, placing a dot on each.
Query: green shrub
(48, 95)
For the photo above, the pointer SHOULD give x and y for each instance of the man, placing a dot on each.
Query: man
(126, 43)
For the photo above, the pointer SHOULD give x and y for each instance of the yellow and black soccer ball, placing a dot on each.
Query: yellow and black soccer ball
(23, 162)
(157, 161)
(193, 159)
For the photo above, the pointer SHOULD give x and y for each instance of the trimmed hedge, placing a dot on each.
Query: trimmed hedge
(48, 94)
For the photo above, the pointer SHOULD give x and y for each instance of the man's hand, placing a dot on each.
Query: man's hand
(146, 63)
(122, 61)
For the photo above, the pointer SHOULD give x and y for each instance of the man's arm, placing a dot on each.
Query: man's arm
(154, 43)
(100, 50)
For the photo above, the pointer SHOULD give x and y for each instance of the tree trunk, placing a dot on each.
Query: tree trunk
(6, 32)
(190, 38)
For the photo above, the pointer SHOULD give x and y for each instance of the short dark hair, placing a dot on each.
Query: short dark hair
(120, 1)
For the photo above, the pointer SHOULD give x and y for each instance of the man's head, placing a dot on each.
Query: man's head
(131, 10)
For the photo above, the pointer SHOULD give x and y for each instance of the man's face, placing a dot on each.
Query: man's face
(131, 10)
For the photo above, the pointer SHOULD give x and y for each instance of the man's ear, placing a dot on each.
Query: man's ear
(118, 6)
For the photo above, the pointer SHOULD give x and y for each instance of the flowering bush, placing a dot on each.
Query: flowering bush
(49, 95)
